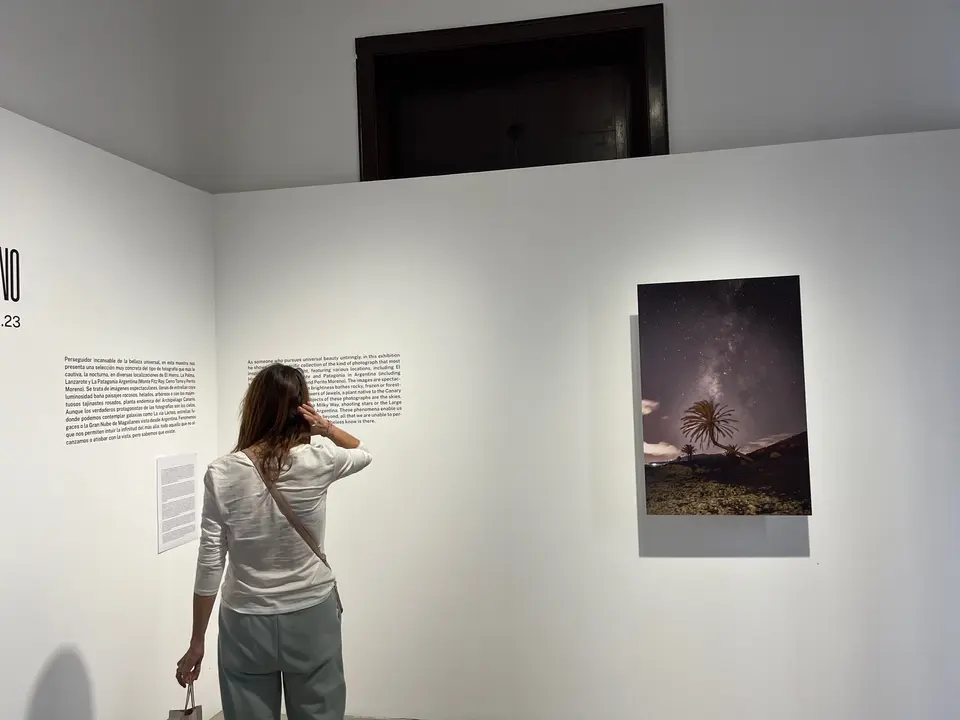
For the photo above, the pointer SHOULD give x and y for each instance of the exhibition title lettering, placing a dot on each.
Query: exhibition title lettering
(10, 273)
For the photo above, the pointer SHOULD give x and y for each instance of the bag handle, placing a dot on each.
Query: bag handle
(288, 512)
(191, 703)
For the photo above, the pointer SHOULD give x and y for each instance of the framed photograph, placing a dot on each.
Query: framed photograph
(724, 406)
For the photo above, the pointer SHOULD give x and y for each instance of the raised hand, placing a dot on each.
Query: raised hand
(318, 424)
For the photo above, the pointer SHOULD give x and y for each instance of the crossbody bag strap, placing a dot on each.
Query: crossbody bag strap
(288, 512)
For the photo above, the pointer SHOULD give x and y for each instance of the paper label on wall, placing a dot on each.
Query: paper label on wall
(177, 508)
(348, 389)
(115, 398)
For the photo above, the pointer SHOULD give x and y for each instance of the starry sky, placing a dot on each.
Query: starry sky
(738, 342)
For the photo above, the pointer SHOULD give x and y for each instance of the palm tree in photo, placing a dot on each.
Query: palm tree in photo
(706, 423)
(688, 450)
(732, 451)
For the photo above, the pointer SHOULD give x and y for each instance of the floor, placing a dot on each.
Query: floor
(219, 716)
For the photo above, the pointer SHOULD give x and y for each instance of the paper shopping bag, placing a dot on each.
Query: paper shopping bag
(190, 709)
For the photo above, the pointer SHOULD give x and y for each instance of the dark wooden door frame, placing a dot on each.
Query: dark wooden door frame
(648, 19)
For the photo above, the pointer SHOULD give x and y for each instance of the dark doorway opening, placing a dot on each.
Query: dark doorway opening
(578, 88)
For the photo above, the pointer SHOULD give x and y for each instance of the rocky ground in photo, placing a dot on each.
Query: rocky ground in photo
(774, 482)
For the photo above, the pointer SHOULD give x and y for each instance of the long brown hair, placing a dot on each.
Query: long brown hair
(270, 418)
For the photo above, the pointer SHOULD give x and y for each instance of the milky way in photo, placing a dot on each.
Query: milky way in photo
(738, 342)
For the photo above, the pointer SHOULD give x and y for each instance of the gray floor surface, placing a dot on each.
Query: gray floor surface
(219, 716)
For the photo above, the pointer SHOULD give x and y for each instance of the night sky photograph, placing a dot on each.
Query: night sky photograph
(724, 411)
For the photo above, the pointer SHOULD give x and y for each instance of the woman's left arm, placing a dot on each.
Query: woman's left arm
(188, 669)
(210, 563)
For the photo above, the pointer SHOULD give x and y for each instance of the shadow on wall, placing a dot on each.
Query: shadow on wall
(62, 690)
(702, 536)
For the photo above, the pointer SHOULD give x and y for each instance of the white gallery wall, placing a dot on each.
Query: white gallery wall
(115, 262)
(492, 560)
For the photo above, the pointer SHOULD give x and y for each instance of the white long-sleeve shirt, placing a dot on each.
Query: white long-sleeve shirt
(271, 569)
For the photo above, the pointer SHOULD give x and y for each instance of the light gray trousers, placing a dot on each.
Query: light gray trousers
(297, 655)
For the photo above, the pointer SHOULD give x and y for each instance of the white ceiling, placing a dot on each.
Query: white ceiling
(231, 95)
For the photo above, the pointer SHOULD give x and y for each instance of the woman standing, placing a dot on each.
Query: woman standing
(280, 613)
